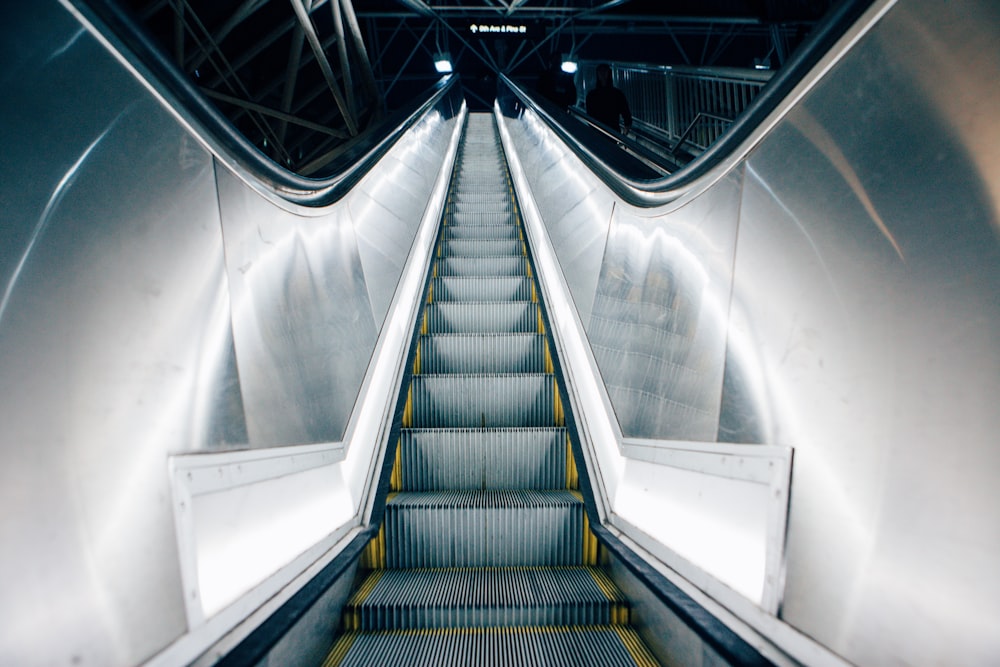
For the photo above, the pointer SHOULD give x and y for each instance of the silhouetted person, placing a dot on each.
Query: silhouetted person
(606, 104)
(556, 85)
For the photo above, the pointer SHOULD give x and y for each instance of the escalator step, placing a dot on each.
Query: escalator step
(483, 401)
(603, 646)
(498, 232)
(498, 528)
(485, 597)
(475, 248)
(482, 353)
(479, 217)
(483, 266)
(482, 288)
(436, 459)
(482, 318)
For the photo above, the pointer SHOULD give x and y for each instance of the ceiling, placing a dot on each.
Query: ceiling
(302, 78)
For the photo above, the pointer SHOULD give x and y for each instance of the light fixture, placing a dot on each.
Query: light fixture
(569, 64)
(442, 62)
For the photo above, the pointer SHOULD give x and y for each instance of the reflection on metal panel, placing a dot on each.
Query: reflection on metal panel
(302, 321)
(576, 211)
(386, 206)
(658, 328)
(866, 290)
(115, 347)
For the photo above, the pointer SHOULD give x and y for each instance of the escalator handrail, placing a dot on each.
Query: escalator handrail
(141, 52)
(656, 192)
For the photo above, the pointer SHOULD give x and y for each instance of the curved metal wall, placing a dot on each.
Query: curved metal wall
(153, 304)
(835, 291)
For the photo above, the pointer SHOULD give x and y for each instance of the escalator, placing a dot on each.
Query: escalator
(485, 555)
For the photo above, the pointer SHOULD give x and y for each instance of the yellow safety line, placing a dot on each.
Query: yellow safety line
(340, 650)
(366, 588)
(640, 654)
(424, 328)
(430, 293)
(572, 475)
(549, 366)
(541, 322)
(373, 557)
(396, 478)
(590, 543)
(558, 407)
(408, 410)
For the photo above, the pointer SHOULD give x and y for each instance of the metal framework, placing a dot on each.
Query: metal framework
(302, 77)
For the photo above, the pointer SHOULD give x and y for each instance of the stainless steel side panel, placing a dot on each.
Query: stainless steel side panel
(302, 320)
(115, 346)
(387, 205)
(576, 210)
(658, 327)
(867, 284)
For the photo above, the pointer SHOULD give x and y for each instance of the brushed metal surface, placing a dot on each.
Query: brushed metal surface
(302, 319)
(576, 210)
(115, 346)
(658, 327)
(386, 206)
(867, 280)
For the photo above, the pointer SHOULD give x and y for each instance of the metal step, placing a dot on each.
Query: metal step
(450, 317)
(482, 353)
(476, 248)
(491, 528)
(481, 216)
(487, 197)
(499, 232)
(597, 646)
(485, 598)
(483, 266)
(438, 459)
(481, 289)
(483, 401)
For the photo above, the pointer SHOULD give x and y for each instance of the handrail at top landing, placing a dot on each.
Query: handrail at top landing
(657, 192)
(132, 44)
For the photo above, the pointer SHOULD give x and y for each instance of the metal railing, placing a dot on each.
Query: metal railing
(693, 105)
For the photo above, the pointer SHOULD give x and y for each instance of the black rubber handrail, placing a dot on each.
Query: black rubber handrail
(142, 52)
(655, 192)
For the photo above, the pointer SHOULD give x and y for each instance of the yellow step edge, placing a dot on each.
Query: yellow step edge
(340, 649)
(572, 475)
(396, 478)
(514, 630)
(560, 418)
(373, 556)
(408, 409)
(366, 588)
(635, 647)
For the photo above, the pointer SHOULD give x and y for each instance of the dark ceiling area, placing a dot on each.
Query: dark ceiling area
(302, 78)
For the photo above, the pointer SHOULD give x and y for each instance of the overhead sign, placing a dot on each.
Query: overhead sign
(499, 29)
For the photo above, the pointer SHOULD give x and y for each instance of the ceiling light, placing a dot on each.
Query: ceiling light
(442, 62)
